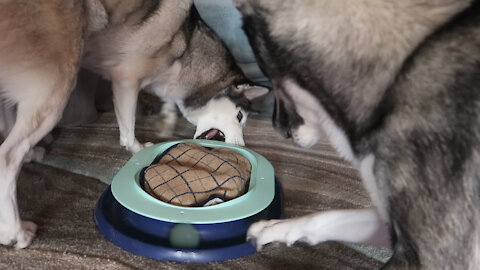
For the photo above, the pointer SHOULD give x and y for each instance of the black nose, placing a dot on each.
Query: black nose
(212, 134)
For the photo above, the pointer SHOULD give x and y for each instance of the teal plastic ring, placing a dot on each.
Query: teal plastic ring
(127, 191)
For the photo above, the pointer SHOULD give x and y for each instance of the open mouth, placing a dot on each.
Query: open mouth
(212, 134)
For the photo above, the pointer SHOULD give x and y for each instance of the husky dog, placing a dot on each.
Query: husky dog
(160, 46)
(395, 86)
(165, 48)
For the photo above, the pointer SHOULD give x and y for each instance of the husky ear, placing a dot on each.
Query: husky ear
(244, 6)
(97, 16)
(252, 91)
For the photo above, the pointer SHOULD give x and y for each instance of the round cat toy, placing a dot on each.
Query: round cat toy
(136, 221)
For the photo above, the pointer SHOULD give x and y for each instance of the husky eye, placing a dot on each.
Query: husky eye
(239, 116)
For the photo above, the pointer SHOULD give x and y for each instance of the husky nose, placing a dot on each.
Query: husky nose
(212, 134)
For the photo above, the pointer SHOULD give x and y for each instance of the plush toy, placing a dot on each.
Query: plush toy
(193, 175)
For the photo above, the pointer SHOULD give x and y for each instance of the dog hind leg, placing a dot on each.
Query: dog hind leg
(356, 226)
(36, 116)
(7, 120)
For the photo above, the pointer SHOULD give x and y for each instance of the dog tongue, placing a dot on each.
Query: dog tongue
(211, 133)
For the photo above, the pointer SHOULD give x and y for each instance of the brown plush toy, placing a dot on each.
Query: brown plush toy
(192, 175)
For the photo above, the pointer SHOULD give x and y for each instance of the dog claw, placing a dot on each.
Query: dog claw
(259, 247)
(252, 240)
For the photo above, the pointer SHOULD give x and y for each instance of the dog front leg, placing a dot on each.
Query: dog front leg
(125, 95)
(356, 226)
(168, 117)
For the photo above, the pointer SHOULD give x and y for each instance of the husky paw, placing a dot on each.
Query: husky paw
(22, 238)
(35, 154)
(26, 235)
(286, 231)
(136, 146)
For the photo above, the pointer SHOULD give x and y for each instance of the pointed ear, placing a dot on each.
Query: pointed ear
(252, 91)
(244, 6)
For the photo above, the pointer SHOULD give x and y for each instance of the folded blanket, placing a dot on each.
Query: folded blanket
(226, 21)
(192, 175)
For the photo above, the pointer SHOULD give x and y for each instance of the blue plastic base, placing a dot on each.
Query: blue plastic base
(150, 238)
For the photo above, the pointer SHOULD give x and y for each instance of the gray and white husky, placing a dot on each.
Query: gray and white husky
(395, 86)
(160, 46)
(165, 48)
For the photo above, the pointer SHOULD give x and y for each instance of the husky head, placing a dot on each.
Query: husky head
(289, 117)
(223, 117)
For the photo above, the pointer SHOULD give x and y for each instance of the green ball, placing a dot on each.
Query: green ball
(184, 236)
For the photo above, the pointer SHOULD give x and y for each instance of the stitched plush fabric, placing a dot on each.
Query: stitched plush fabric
(191, 175)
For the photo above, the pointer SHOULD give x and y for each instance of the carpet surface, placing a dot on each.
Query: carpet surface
(60, 195)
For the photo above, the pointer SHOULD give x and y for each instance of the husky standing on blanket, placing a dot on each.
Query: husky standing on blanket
(395, 87)
(160, 46)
